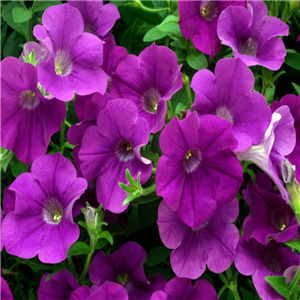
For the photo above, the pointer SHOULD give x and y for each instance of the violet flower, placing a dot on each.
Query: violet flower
(74, 64)
(5, 290)
(182, 289)
(212, 244)
(98, 19)
(125, 266)
(271, 217)
(278, 142)
(261, 261)
(198, 21)
(229, 95)
(110, 148)
(42, 221)
(198, 170)
(28, 119)
(293, 102)
(148, 82)
(253, 35)
(41, 52)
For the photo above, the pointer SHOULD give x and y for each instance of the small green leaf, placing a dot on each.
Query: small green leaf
(82, 224)
(106, 235)
(293, 60)
(101, 244)
(79, 248)
(21, 14)
(18, 168)
(279, 284)
(170, 26)
(297, 88)
(132, 221)
(293, 244)
(197, 61)
(6, 160)
(154, 34)
(68, 145)
(130, 179)
(42, 5)
(277, 76)
(270, 91)
(126, 188)
(128, 199)
(157, 255)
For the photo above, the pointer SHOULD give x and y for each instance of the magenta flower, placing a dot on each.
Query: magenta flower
(28, 119)
(271, 217)
(198, 21)
(111, 147)
(212, 244)
(293, 102)
(259, 261)
(182, 289)
(42, 221)
(229, 95)
(5, 290)
(74, 64)
(193, 176)
(98, 19)
(278, 142)
(148, 82)
(253, 35)
(41, 52)
(125, 267)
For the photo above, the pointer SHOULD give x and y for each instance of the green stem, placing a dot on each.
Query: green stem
(186, 81)
(295, 280)
(88, 260)
(149, 189)
(154, 171)
(149, 9)
(233, 289)
(67, 123)
(54, 145)
(223, 278)
(72, 269)
(222, 290)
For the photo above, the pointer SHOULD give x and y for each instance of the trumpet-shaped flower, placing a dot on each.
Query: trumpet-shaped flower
(253, 35)
(42, 221)
(74, 63)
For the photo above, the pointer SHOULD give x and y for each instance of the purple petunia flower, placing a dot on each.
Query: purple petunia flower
(42, 221)
(63, 286)
(98, 19)
(113, 146)
(193, 175)
(253, 35)
(28, 119)
(125, 267)
(229, 95)
(293, 102)
(260, 261)
(5, 290)
(41, 52)
(278, 142)
(212, 244)
(148, 82)
(74, 64)
(198, 21)
(271, 217)
(182, 289)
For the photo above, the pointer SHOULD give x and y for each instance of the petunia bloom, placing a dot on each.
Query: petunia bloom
(198, 169)
(125, 266)
(261, 261)
(110, 148)
(271, 217)
(253, 35)
(182, 289)
(74, 63)
(293, 102)
(279, 141)
(198, 21)
(5, 290)
(212, 244)
(229, 95)
(28, 119)
(148, 82)
(98, 19)
(42, 221)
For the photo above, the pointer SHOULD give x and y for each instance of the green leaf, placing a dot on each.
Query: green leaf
(21, 14)
(132, 221)
(79, 248)
(246, 294)
(42, 5)
(11, 47)
(154, 34)
(130, 179)
(129, 199)
(197, 61)
(297, 88)
(269, 94)
(6, 160)
(107, 236)
(18, 168)
(126, 188)
(292, 60)
(82, 224)
(293, 244)
(157, 255)
(170, 25)
(101, 244)
(279, 284)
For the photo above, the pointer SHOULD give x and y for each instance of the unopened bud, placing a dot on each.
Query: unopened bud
(287, 171)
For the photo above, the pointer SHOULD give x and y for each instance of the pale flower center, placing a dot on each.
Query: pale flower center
(63, 63)
(29, 100)
(191, 160)
(209, 10)
(249, 47)
(224, 113)
(150, 99)
(125, 151)
(122, 279)
(53, 212)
